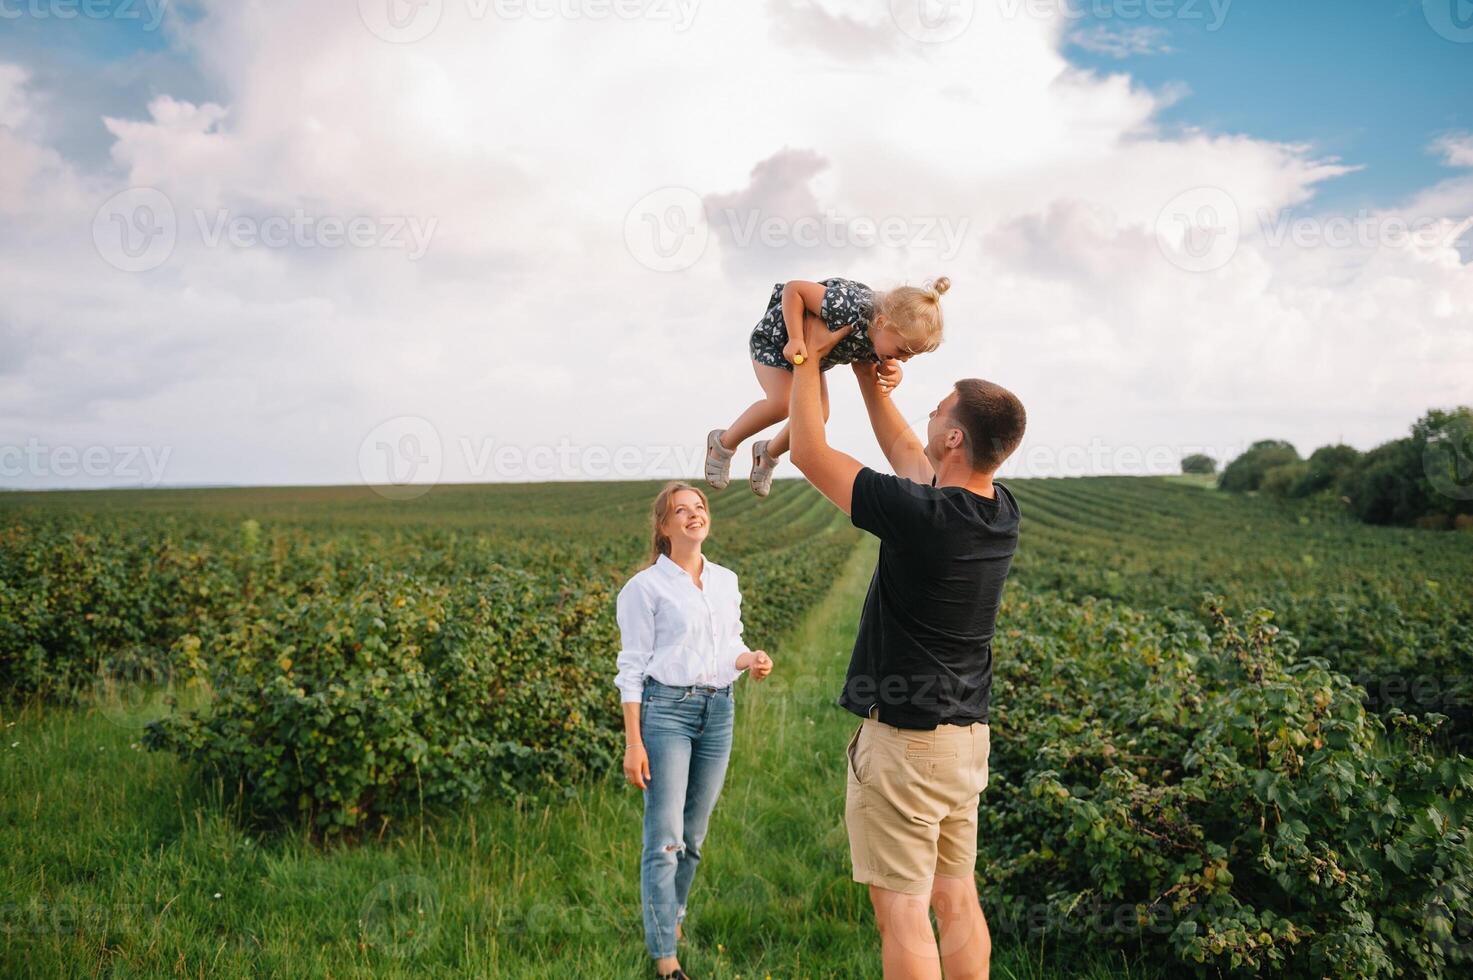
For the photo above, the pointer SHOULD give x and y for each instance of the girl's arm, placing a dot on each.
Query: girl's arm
(800, 297)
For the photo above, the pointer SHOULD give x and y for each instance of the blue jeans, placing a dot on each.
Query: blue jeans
(687, 736)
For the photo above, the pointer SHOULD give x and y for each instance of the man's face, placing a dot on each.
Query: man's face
(938, 427)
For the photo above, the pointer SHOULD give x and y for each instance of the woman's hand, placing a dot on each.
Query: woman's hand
(757, 662)
(636, 765)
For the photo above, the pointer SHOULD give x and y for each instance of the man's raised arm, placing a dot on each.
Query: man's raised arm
(828, 469)
(897, 441)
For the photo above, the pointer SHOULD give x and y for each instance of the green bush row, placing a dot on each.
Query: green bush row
(348, 703)
(1208, 796)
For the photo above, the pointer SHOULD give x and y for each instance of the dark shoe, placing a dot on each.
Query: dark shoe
(677, 975)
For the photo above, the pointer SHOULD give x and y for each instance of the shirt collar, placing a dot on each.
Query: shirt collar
(668, 564)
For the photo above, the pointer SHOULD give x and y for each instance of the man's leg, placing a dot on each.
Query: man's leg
(966, 945)
(907, 944)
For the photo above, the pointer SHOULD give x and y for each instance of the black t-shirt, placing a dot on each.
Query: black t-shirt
(924, 649)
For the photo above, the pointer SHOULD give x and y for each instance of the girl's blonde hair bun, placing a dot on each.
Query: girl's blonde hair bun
(913, 313)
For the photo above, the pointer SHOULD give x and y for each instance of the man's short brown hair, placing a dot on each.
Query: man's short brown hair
(992, 419)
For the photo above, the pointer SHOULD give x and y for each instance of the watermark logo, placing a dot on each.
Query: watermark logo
(933, 21)
(401, 21)
(129, 691)
(666, 230)
(1199, 229)
(1448, 463)
(401, 458)
(1452, 19)
(401, 916)
(135, 230)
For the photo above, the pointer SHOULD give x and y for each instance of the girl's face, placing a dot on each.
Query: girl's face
(887, 344)
(687, 519)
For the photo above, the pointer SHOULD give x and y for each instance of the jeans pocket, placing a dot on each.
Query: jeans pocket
(667, 700)
(982, 748)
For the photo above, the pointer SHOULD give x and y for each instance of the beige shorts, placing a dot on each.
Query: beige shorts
(911, 804)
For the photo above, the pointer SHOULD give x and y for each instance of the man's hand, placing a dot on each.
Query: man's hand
(820, 339)
(900, 445)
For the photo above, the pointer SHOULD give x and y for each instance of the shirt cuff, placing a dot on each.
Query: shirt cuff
(628, 693)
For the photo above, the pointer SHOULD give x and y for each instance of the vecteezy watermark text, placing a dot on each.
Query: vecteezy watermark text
(408, 21)
(302, 229)
(1213, 12)
(405, 457)
(143, 465)
(137, 230)
(668, 230)
(149, 12)
(1202, 228)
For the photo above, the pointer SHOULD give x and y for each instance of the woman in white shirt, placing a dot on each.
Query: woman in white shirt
(680, 621)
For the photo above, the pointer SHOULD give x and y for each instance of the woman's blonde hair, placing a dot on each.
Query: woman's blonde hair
(660, 544)
(913, 314)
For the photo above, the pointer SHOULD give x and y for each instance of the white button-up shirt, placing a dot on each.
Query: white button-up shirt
(677, 633)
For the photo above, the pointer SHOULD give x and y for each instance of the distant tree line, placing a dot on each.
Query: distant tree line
(1424, 479)
(1199, 463)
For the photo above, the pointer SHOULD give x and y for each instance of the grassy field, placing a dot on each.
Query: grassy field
(117, 864)
(117, 861)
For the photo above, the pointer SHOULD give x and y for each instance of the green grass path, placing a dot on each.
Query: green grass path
(112, 863)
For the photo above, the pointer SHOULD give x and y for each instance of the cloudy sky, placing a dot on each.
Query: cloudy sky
(328, 240)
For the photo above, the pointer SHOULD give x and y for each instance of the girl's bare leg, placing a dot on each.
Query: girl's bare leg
(776, 384)
(779, 443)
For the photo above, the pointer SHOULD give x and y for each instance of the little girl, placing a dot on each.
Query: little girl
(881, 327)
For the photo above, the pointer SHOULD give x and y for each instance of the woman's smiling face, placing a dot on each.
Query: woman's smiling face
(687, 520)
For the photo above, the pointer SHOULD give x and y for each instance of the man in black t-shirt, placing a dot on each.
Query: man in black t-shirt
(921, 672)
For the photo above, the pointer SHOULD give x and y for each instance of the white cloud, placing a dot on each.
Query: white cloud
(13, 103)
(528, 323)
(1456, 149)
(1122, 42)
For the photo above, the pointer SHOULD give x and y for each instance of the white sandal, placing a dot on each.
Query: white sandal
(762, 467)
(718, 460)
